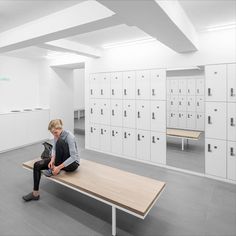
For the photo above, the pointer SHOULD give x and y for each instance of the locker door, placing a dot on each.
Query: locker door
(215, 120)
(231, 121)
(168, 104)
(116, 140)
(143, 84)
(116, 112)
(129, 142)
(143, 145)
(168, 87)
(191, 120)
(215, 157)
(143, 115)
(182, 87)
(94, 136)
(182, 103)
(199, 103)
(174, 86)
(129, 118)
(104, 112)
(191, 103)
(158, 116)
(191, 87)
(105, 85)
(168, 119)
(174, 106)
(129, 85)
(174, 120)
(158, 147)
(200, 121)
(93, 111)
(158, 84)
(215, 83)
(94, 86)
(231, 71)
(200, 87)
(231, 161)
(105, 138)
(116, 85)
(182, 120)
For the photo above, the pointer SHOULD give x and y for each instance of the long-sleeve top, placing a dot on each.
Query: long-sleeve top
(69, 138)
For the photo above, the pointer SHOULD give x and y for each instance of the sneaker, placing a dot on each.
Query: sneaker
(48, 172)
(30, 197)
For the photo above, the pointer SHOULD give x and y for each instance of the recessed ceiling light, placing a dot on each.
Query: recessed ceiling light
(221, 27)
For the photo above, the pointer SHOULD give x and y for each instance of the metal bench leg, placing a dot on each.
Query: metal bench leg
(113, 221)
(182, 144)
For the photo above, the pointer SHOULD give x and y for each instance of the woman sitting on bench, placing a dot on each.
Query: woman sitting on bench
(64, 157)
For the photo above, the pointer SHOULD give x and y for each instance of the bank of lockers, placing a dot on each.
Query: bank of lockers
(129, 80)
(231, 121)
(216, 77)
(231, 160)
(143, 84)
(129, 115)
(158, 84)
(129, 142)
(143, 144)
(158, 147)
(116, 85)
(158, 116)
(215, 157)
(116, 112)
(143, 115)
(231, 76)
(216, 120)
(116, 140)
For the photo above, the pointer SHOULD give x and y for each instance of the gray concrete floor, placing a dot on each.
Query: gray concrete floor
(191, 158)
(190, 205)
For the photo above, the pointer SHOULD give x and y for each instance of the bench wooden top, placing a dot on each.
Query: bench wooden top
(183, 133)
(130, 191)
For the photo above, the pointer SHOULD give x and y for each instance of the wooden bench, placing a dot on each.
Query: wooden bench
(121, 190)
(183, 134)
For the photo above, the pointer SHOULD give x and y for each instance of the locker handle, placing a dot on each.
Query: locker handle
(153, 92)
(209, 92)
(91, 91)
(112, 91)
(125, 135)
(101, 91)
(232, 152)
(138, 91)
(153, 139)
(101, 131)
(125, 92)
(91, 110)
(232, 92)
(101, 111)
(113, 133)
(209, 148)
(215, 72)
(125, 114)
(209, 120)
(91, 129)
(138, 137)
(112, 112)
(153, 115)
(139, 114)
(232, 121)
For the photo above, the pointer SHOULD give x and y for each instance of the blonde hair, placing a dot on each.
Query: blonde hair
(55, 124)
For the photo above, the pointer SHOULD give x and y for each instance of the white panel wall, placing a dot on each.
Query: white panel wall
(79, 77)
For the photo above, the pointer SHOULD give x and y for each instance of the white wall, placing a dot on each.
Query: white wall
(79, 88)
(22, 89)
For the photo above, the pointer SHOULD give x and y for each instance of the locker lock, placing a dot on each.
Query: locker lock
(232, 121)
(232, 152)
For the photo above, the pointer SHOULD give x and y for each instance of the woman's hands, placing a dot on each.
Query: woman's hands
(51, 165)
(56, 170)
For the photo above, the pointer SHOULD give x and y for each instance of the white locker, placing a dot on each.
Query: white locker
(231, 161)
(200, 103)
(94, 136)
(116, 113)
(168, 87)
(143, 145)
(158, 84)
(191, 103)
(104, 112)
(215, 83)
(191, 87)
(168, 103)
(104, 85)
(200, 121)
(173, 104)
(129, 85)
(143, 115)
(143, 84)
(168, 119)
(191, 120)
(182, 87)
(94, 85)
(231, 72)
(129, 118)
(231, 121)
(174, 120)
(116, 85)
(200, 87)
(105, 138)
(158, 147)
(129, 142)
(182, 103)
(116, 140)
(94, 111)
(182, 120)
(215, 157)
(215, 120)
(158, 116)
(174, 86)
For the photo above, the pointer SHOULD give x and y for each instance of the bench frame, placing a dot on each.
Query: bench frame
(114, 206)
(182, 139)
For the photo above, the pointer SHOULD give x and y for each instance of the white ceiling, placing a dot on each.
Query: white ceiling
(119, 33)
(208, 13)
(17, 12)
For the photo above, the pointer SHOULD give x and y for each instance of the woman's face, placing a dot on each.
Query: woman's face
(56, 133)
